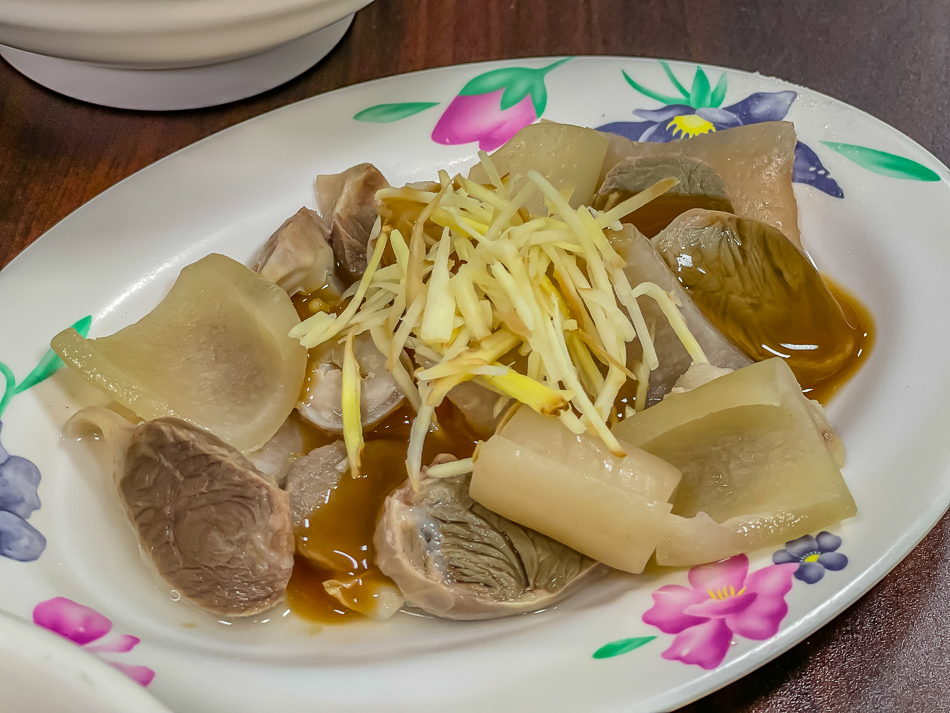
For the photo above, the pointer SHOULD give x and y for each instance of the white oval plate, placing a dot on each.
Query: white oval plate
(114, 258)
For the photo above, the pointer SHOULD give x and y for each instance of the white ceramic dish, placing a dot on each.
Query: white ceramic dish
(43, 673)
(168, 89)
(169, 54)
(162, 33)
(114, 258)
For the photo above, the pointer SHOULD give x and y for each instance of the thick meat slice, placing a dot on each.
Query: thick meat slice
(216, 529)
(298, 256)
(347, 203)
(645, 264)
(455, 559)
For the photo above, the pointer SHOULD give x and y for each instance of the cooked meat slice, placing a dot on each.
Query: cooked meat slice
(699, 187)
(217, 530)
(477, 406)
(275, 457)
(311, 478)
(761, 292)
(645, 264)
(455, 559)
(298, 257)
(347, 203)
(638, 173)
(322, 400)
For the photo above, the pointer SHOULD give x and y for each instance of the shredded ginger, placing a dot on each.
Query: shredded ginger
(479, 280)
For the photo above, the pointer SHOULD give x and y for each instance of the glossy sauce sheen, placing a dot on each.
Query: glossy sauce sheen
(309, 305)
(861, 333)
(339, 532)
(660, 212)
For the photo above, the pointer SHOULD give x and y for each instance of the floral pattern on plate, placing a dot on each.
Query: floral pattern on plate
(813, 555)
(725, 600)
(490, 109)
(698, 110)
(19, 477)
(88, 629)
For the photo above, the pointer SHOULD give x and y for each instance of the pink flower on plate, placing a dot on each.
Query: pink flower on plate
(494, 106)
(84, 626)
(723, 600)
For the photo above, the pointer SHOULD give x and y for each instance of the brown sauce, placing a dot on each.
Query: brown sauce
(336, 542)
(309, 304)
(660, 212)
(856, 336)
(861, 325)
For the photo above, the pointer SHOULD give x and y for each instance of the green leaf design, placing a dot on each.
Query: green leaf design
(621, 646)
(9, 386)
(517, 83)
(48, 364)
(883, 163)
(672, 77)
(699, 93)
(386, 113)
(51, 361)
(719, 93)
(647, 92)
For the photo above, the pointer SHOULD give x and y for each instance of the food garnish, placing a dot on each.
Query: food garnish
(480, 282)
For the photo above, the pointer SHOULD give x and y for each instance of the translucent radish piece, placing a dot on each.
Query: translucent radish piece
(758, 466)
(570, 157)
(572, 489)
(214, 353)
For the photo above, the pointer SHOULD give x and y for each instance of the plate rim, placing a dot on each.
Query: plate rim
(886, 560)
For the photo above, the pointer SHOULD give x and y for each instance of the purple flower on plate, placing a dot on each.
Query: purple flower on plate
(722, 601)
(19, 477)
(494, 106)
(87, 628)
(813, 555)
(698, 110)
(19, 480)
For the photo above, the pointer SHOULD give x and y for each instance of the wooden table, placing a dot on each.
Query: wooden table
(889, 652)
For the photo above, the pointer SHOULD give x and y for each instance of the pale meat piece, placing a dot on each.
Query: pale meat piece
(645, 264)
(216, 529)
(699, 187)
(478, 407)
(695, 177)
(277, 455)
(311, 478)
(455, 559)
(760, 465)
(321, 402)
(298, 257)
(475, 403)
(314, 481)
(347, 203)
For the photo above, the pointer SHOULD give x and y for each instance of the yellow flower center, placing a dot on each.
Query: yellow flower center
(813, 557)
(724, 593)
(690, 125)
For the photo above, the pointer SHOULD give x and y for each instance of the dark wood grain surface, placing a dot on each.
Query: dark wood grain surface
(889, 652)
